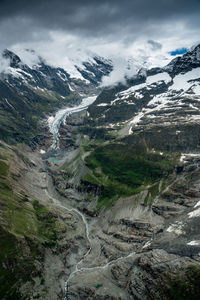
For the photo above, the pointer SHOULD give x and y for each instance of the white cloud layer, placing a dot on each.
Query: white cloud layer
(4, 64)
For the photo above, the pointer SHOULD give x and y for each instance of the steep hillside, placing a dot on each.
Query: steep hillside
(139, 169)
(28, 93)
(157, 96)
(108, 207)
(157, 115)
(37, 238)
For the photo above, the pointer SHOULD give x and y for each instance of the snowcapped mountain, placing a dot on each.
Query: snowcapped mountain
(159, 96)
(128, 175)
(40, 75)
(28, 91)
(149, 125)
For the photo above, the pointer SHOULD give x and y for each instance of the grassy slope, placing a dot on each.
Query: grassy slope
(184, 285)
(26, 229)
(123, 169)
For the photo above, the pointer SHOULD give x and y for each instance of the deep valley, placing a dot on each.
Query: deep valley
(100, 188)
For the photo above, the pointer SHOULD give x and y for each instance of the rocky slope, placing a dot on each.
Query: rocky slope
(38, 238)
(35, 231)
(139, 167)
(113, 209)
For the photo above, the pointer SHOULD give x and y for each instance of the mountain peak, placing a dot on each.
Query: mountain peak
(186, 62)
(14, 59)
(196, 52)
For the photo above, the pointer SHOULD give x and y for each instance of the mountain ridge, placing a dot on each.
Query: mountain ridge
(113, 211)
(28, 93)
(145, 89)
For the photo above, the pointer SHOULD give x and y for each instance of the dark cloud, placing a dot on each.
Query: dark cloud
(154, 45)
(99, 17)
(141, 29)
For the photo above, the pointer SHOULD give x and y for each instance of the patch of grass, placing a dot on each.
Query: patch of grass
(123, 170)
(16, 264)
(29, 229)
(26, 229)
(152, 193)
(47, 223)
(5, 188)
(185, 285)
(4, 167)
(98, 286)
(2, 146)
(90, 178)
(96, 133)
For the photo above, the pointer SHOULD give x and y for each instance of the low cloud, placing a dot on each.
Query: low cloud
(154, 45)
(122, 69)
(4, 64)
(63, 32)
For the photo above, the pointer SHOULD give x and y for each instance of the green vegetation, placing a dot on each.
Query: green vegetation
(3, 168)
(29, 230)
(123, 170)
(96, 133)
(16, 264)
(98, 286)
(26, 229)
(152, 193)
(185, 285)
(20, 124)
(47, 223)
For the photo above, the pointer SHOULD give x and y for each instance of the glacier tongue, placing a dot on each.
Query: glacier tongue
(54, 123)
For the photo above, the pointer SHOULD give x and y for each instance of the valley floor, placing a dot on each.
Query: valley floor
(131, 250)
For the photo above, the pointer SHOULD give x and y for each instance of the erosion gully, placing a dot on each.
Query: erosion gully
(54, 124)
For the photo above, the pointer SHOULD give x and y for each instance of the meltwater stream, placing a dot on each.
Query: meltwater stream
(83, 269)
(54, 126)
(60, 117)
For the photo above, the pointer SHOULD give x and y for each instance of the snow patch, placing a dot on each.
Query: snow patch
(194, 243)
(138, 95)
(185, 156)
(50, 119)
(132, 89)
(146, 245)
(42, 151)
(197, 204)
(71, 89)
(196, 89)
(14, 72)
(158, 77)
(195, 213)
(177, 228)
(181, 81)
(8, 103)
(149, 81)
(103, 104)
(25, 73)
(61, 75)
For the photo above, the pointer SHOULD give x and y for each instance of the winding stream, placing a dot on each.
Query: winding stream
(54, 126)
(77, 269)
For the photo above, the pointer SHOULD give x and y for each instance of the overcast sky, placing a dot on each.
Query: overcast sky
(144, 29)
